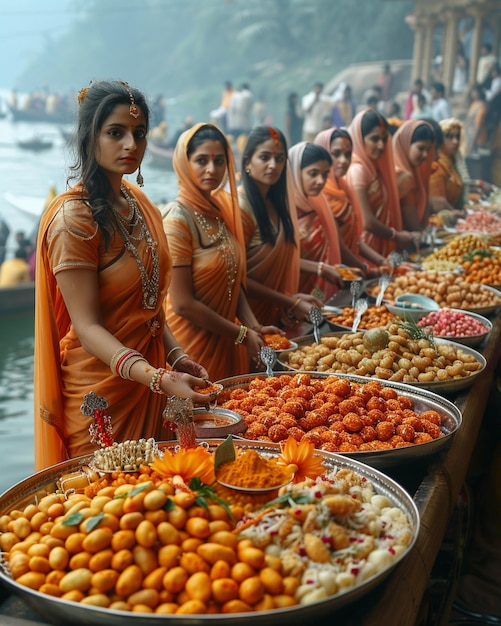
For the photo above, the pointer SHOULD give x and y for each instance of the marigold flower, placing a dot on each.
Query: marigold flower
(301, 454)
(186, 464)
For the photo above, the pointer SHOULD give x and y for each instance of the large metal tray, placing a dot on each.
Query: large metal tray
(439, 386)
(422, 400)
(63, 612)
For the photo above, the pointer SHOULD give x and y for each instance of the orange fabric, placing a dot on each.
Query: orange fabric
(413, 189)
(317, 228)
(217, 353)
(446, 182)
(64, 372)
(274, 265)
(337, 193)
(475, 119)
(379, 180)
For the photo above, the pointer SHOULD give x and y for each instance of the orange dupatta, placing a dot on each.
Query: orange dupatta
(364, 173)
(418, 178)
(339, 198)
(217, 353)
(323, 216)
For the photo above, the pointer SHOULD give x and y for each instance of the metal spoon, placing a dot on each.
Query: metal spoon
(316, 319)
(268, 357)
(360, 308)
(384, 281)
(395, 259)
(355, 287)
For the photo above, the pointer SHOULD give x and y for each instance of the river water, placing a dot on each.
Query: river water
(28, 176)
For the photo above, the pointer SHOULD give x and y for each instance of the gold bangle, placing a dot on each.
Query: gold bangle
(242, 334)
(320, 268)
(156, 380)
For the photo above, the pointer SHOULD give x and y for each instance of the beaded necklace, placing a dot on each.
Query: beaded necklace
(126, 226)
(221, 239)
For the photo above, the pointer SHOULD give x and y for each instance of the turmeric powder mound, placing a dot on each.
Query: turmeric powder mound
(252, 471)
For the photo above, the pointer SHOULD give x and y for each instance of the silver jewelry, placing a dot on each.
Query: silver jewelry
(126, 227)
(139, 178)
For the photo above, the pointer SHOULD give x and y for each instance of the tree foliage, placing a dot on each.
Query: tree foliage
(192, 46)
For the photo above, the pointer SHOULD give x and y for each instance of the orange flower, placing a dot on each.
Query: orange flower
(301, 455)
(186, 464)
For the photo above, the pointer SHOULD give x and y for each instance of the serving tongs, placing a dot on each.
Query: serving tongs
(355, 288)
(384, 281)
(316, 319)
(360, 309)
(395, 260)
(268, 358)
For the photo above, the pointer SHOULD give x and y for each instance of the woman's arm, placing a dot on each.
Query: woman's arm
(323, 270)
(80, 292)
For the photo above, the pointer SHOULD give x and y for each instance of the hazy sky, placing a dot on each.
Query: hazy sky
(24, 26)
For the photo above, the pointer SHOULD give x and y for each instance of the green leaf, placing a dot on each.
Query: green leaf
(287, 499)
(74, 519)
(92, 522)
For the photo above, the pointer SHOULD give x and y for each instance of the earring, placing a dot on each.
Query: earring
(139, 178)
(247, 170)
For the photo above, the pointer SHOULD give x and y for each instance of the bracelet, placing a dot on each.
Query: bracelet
(298, 300)
(393, 233)
(128, 363)
(156, 380)
(119, 359)
(320, 268)
(172, 351)
(179, 358)
(242, 334)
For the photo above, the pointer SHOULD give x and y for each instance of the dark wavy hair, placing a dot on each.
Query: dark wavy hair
(340, 132)
(95, 106)
(423, 132)
(277, 193)
(207, 133)
(313, 153)
(372, 119)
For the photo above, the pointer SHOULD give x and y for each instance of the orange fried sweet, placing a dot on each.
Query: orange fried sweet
(276, 341)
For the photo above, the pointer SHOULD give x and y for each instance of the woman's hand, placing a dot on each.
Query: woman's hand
(191, 367)
(182, 385)
(254, 341)
(331, 274)
(404, 240)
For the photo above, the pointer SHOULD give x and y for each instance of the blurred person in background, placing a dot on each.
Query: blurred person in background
(293, 122)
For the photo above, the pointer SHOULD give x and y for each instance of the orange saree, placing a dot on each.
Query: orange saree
(274, 265)
(412, 182)
(218, 270)
(349, 222)
(64, 372)
(378, 179)
(446, 181)
(317, 229)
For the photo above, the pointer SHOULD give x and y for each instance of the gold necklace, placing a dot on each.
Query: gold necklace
(149, 284)
(221, 239)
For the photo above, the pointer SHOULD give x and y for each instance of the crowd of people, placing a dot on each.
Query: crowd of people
(144, 307)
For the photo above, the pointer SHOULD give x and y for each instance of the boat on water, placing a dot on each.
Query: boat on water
(40, 115)
(36, 144)
(17, 299)
(160, 156)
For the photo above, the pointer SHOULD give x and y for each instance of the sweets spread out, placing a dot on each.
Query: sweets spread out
(146, 542)
(447, 323)
(333, 413)
(399, 358)
(373, 317)
(277, 341)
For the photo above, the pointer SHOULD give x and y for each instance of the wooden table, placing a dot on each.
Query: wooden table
(435, 487)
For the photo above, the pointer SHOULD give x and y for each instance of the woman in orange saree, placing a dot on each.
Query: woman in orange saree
(271, 231)
(447, 180)
(320, 252)
(373, 183)
(207, 308)
(102, 273)
(354, 252)
(414, 150)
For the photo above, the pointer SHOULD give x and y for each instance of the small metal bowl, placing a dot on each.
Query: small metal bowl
(217, 423)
